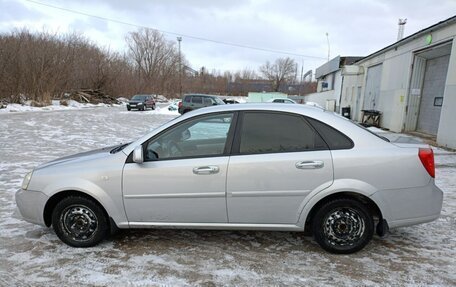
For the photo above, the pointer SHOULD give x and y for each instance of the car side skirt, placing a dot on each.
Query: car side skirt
(214, 226)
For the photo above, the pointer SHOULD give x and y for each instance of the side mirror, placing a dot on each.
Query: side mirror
(138, 154)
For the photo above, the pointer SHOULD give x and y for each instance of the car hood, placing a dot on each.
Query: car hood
(136, 101)
(79, 157)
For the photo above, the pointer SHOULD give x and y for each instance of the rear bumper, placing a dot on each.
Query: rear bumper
(410, 206)
(30, 205)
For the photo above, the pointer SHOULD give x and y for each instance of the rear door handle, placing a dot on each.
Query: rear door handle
(313, 164)
(210, 169)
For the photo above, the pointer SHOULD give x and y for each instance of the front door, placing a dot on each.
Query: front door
(183, 178)
(280, 160)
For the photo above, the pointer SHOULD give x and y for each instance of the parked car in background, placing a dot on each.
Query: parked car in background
(141, 103)
(282, 100)
(174, 105)
(230, 101)
(257, 166)
(192, 102)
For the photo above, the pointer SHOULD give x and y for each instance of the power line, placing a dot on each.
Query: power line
(176, 34)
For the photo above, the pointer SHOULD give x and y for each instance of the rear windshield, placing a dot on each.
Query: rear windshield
(357, 124)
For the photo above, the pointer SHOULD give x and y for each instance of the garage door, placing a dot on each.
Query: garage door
(372, 92)
(432, 95)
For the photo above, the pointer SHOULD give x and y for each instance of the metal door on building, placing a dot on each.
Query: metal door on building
(427, 86)
(372, 91)
(432, 94)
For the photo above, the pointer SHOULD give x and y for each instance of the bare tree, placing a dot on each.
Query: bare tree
(280, 72)
(156, 60)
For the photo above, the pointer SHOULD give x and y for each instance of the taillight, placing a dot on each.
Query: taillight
(179, 104)
(426, 156)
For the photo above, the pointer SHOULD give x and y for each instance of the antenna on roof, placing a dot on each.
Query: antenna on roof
(400, 32)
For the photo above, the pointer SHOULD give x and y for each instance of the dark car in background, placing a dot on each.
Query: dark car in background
(230, 101)
(192, 102)
(141, 103)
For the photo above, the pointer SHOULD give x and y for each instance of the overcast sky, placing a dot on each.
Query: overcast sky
(355, 27)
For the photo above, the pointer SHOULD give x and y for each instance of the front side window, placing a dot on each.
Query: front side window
(208, 102)
(264, 132)
(203, 136)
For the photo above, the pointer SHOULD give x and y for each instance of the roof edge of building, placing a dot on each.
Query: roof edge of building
(412, 37)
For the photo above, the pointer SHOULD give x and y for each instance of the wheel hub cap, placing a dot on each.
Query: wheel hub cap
(79, 222)
(343, 227)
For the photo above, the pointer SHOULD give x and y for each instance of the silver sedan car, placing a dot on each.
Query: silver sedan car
(252, 166)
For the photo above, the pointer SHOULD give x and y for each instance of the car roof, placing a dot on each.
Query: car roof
(300, 109)
(202, 95)
(358, 135)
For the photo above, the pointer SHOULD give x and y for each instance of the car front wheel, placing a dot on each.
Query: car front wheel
(79, 221)
(343, 226)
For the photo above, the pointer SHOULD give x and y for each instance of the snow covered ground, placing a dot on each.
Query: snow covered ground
(33, 255)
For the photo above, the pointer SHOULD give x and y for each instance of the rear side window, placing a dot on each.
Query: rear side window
(197, 100)
(334, 138)
(263, 132)
(188, 99)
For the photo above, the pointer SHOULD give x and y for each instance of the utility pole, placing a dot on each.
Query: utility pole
(327, 39)
(179, 40)
(300, 80)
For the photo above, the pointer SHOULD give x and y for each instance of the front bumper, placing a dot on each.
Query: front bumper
(135, 105)
(31, 205)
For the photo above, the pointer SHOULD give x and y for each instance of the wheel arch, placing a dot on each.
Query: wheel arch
(371, 205)
(57, 197)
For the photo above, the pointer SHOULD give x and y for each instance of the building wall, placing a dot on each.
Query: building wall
(394, 89)
(264, 97)
(332, 93)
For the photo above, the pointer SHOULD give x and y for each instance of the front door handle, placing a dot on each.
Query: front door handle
(313, 164)
(210, 169)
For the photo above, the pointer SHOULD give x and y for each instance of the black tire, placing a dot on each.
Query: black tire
(128, 109)
(153, 107)
(143, 108)
(80, 222)
(343, 226)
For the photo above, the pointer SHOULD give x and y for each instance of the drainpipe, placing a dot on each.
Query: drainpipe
(341, 90)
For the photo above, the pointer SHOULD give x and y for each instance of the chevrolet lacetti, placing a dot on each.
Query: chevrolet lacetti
(245, 167)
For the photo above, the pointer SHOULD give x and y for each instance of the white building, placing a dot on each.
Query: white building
(411, 82)
(329, 83)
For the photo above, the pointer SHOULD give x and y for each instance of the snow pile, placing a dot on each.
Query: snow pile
(55, 106)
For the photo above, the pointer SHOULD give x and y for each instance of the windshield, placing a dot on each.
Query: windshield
(219, 101)
(139, 97)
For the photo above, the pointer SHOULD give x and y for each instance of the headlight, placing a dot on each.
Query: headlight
(140, 104)
(26, 181)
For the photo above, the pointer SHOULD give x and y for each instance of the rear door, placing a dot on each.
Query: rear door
(278, 159)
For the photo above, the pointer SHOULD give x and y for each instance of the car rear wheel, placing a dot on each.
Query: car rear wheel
(343, 226)
(79, 221)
